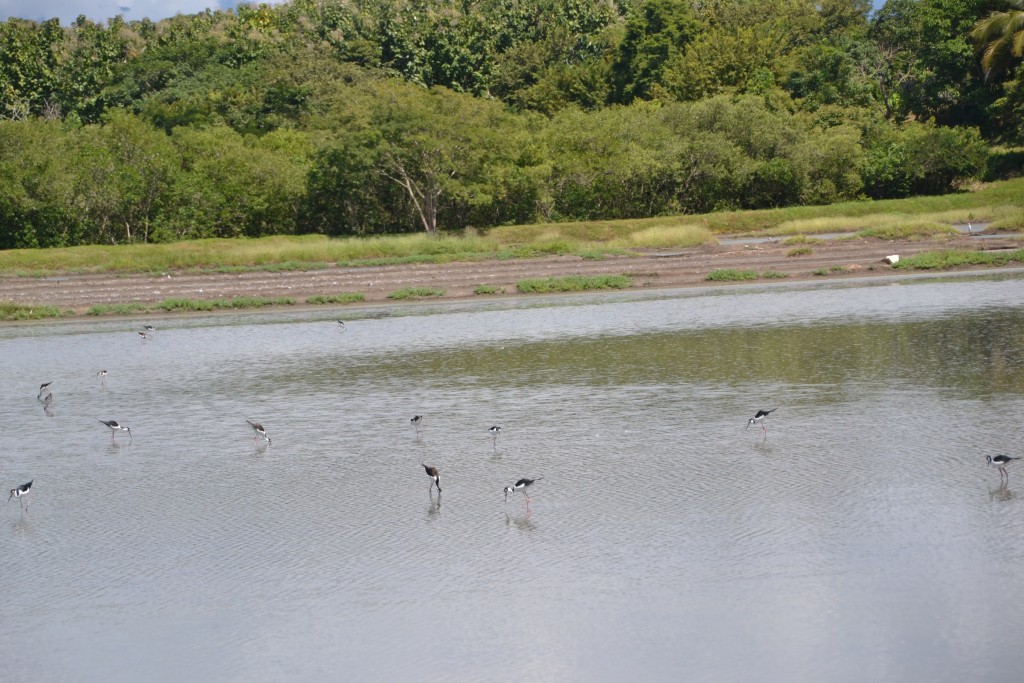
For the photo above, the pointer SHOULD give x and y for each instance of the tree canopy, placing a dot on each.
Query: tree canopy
(370, 116)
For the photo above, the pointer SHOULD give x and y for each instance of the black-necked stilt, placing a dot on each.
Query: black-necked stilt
(20, 491)
(1001, 461)
(416, 421)
(44, 390)
(115, 428)
(260, 431)
(495, 430)
(149, 328)
(144, 335)
(521, 485)
(342, 323)
(101, 374)
(759, 416)
(435, 478)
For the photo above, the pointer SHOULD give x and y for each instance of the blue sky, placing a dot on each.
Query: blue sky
(99, 10)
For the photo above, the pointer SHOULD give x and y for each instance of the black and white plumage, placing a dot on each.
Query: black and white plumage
(342, 323)
(149, 328)
(416, 421)
(115, 427)
(20, 492)
(44, 390)
(1001, 461)
(144, 335)
(759, 416)
(435, 478)
(101, 374)
(495, 430)
(260, 432)
(521, 486)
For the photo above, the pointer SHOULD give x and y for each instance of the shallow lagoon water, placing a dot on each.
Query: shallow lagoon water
(862, 539)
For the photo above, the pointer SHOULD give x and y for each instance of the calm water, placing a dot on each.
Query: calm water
(863, 539)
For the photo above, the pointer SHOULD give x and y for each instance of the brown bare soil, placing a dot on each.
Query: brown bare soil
(664, 269)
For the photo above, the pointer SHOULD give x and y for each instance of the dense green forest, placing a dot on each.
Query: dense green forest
(351, 117)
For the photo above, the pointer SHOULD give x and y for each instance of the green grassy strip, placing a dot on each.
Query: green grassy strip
(117, 309)
(12, 311)
(343, 298)
(416, 293)
(731, 275)
(572, 283)
(953, 258)
(488, 289)
(212, 304)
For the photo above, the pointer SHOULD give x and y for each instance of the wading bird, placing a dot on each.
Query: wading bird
(20, 491)
(260, 432)
(435, 478)
(1001, 461)
(759, 416)
(416, 420)
(115, 428)
(521, 485)
(495, 430)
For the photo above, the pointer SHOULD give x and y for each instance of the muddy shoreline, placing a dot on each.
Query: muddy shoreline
(842, 259)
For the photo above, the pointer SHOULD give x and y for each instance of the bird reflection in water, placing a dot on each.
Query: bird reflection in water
(1003, 493)
(523, 522)
(434, 509)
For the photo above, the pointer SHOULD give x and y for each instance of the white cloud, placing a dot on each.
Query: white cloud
(101, 10)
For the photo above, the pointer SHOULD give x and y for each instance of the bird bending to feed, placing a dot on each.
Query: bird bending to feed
(342, 323)
(44, 390)
(435, 478)
(521, 485)
(20, 491)
(260, 432)
(1001, 461)
(143, 334)
(415, 421)
(115, 428)
(759, 416)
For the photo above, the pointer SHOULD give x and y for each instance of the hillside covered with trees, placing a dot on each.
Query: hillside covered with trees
(352, 117)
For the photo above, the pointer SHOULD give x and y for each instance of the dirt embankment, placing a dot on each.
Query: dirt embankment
(676, 268)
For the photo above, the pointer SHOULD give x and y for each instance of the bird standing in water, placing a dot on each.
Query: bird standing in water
(1001, 461)
(20, 491)
(435, 478)
(260, 432)
(521, 486)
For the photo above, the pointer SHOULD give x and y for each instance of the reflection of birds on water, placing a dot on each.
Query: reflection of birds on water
(1003, 492)
(260, 432)
(1000, 461)
(523, 523)
(20, 492)
(435, 478)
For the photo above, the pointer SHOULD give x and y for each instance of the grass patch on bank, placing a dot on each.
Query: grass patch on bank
(190, 305)
(731, 275)
(954, 258)
(12, 311)
(572, 283)
(343, 298)
(416, 293)
(488, 289)
(117, 309)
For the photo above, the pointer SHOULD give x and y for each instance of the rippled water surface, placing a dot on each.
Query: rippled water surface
(861, 538)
